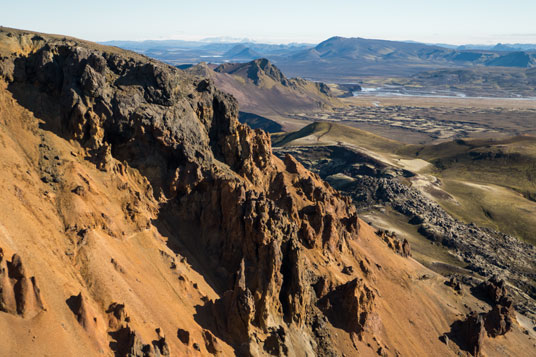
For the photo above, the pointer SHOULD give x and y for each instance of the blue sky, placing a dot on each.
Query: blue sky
(454, 21)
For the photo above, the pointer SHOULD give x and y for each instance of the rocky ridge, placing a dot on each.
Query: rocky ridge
(258, 71)
(261, 88)
(218, 186)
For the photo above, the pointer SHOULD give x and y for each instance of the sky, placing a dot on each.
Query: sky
(279, 21)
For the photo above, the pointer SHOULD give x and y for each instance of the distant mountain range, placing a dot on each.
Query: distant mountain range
(498, 47)
(181, 52)
(340, 58)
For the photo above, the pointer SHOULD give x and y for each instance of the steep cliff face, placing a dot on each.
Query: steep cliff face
(157, 224)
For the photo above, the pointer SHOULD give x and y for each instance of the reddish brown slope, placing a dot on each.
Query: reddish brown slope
(132, 184)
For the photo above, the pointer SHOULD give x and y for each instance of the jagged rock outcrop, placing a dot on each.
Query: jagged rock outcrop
(19, 293)
(127, 342)
(83, 312)
(349, 305)
(236, 309)
(500, 319)
(405, 249)
(494, 290)
(402, 247)
(469, 334)
(117, 316)
(161, 348)
(223, 194)
(455, 284)
(211, 343)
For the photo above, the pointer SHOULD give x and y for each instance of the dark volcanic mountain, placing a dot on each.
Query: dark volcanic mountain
(262, 89)
(369, 50)
(255, 71)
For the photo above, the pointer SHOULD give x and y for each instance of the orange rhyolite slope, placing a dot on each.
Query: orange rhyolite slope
(147, 221)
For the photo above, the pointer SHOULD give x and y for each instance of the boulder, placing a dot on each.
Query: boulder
(349, 305)
(183, 336)
(82, 311)
(469, 334)
(211, 343)
(500, 319)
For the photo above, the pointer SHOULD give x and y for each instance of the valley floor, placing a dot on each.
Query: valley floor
(419, 120)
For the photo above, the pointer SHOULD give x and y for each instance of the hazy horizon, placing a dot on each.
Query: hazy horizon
(456, 22)
(225, 39)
